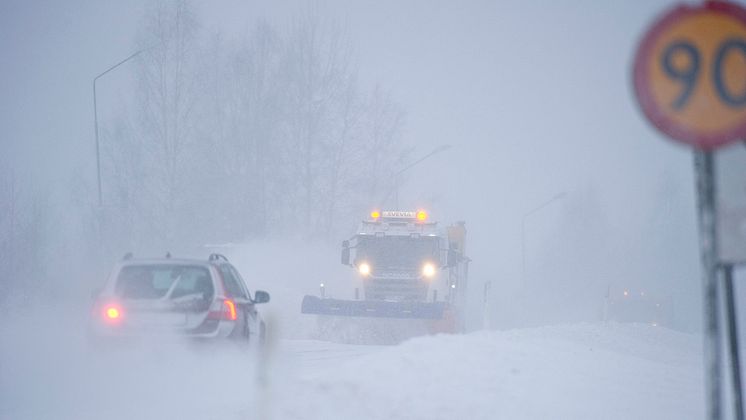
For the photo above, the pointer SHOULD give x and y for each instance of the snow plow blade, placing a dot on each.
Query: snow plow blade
(372, 308)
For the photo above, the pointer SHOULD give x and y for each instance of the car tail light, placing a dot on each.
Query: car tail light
(112, 313)
(223, 309)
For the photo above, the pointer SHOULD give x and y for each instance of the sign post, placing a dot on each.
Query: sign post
(730, 314)
(704, 167)
(690, 80)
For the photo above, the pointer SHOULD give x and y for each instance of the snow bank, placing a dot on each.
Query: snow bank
(608, 371)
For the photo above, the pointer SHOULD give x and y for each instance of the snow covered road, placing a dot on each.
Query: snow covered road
(585, 371)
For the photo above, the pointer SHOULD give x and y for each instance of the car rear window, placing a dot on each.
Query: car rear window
(232, 288)
(159, 281)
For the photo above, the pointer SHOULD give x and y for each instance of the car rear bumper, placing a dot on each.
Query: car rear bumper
(208, 330)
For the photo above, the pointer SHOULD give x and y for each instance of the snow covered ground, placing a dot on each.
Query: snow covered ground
(583, 371)
(591, 371)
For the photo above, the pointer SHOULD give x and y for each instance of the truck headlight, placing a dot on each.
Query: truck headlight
(364, 269)
(428, 270)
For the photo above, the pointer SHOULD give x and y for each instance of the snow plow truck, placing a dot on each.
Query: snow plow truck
(407, 268)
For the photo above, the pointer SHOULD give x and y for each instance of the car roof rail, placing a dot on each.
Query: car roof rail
(217, 257)
(127, 256)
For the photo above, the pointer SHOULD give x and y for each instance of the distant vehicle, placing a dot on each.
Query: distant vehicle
(176, 297)
(636, 306)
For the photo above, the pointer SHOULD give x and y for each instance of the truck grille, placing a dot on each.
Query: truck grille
(398, 289)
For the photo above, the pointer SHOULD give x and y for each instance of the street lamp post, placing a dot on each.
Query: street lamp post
(435, 151)
(95, 122)
(523, 229)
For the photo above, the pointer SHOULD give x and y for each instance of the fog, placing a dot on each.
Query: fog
(267, 130)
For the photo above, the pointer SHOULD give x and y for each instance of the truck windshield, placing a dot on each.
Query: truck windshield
(397, 252)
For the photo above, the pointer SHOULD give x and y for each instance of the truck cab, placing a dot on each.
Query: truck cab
(398, 256)
(406, 267)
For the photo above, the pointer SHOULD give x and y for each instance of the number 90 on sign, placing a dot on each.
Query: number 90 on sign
(688, 75)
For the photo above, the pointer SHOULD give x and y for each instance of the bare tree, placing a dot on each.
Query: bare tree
(237, 138)
(24, 239)
(8, 228)
(382, 148)
(167, 96)
(341, 148)
(318, 63)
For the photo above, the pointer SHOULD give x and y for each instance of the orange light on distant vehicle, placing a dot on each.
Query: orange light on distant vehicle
(422, 215)
(231, 313)
(375, 214)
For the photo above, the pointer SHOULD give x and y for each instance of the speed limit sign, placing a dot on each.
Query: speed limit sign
(690, 74)
(690, 80)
